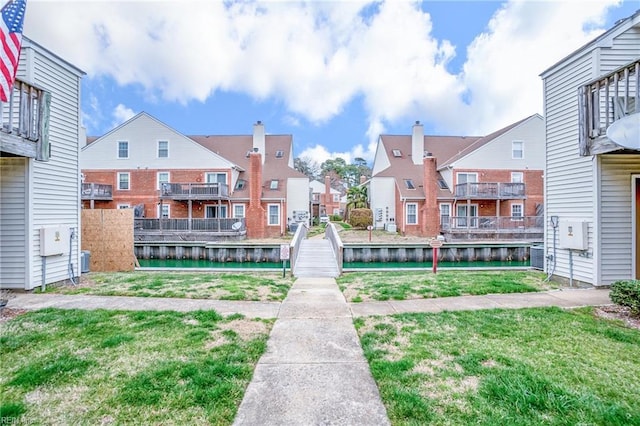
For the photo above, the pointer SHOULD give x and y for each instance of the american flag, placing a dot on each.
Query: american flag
(11, 38)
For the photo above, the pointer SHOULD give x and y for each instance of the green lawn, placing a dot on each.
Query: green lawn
(505, 367)
(117, 367)
(364, 286)
(264, 286)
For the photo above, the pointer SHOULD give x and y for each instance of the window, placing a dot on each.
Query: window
(336, 198)
(409, 184)
(273, 210)
(315, 196)
(124, 206)
(412, 214)
(238, 211)
(273, 184)
(396, 153)
(279, 153)
(163, 149)
(123, 149)
(214, 211)
(241, 184)
(517, 177)
(445, 214)
(516, 211)
(442, 184)
(214, 177)
(467, 177)
(467, 217)
(517, 150)
(163, 177)
(163, 211)
(123, 181)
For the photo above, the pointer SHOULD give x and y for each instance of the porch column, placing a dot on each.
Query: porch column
(190, 208)
(92, 204)
(468, 213)
(160, 216)
(219, 214)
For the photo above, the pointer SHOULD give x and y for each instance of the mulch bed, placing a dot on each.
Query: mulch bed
(617, 312)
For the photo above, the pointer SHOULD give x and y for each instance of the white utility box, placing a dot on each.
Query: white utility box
(54, 240)
(573, 234)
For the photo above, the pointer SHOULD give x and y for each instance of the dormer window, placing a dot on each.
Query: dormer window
(396, 153)
(409, 184)
(279, 153)
(248, 154)
(442, 184)
(241, 184)
(273, 184)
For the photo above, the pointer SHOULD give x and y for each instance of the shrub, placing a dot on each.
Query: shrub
(335, 218)
(361, 218)
(626, 293)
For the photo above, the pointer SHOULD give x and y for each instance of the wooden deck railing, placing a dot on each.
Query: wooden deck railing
(504, 224)
(25, 122)
(226, 225)
(604, 101)
(331, 234)
(97, 191)
(194, 191)
(490, 190)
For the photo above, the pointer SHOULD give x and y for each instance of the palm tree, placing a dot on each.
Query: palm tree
(357, 197)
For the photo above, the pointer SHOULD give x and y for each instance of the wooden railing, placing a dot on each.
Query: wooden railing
(490, 190)
(194, 191)
(510, 224)
(331, 234)
(226, 225)
(97, 191)
(604, 101)
(25, 122)
(296, 242)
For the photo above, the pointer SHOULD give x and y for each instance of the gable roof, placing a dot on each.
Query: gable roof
(235, 149)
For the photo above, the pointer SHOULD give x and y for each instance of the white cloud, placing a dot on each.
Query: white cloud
(320, 154)
(121, 114)
(315, 57)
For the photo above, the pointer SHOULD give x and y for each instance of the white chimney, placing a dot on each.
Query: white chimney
(417, 143)
(259, 139)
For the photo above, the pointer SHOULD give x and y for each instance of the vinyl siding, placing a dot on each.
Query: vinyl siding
(55, 185)
(13, 222)
(496, 155)
(383, 194)
(297, 195)
(571, 187)
(616, 249)
(143, 133)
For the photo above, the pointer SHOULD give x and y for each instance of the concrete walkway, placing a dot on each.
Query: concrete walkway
(314, 371)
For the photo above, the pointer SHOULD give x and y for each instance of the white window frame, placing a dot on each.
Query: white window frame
(462, 219)
(519, 179)
(208, 177)
(467, 175)
(442, 215)
(220, 208)
(273, 185)
(160, 182)
(408, 215)
(269, 215)
(235, 208)
(158, 151)
(408, 183)
(124, 206)
(162, 207)
(336, 198)
(128, 175)
(514, 150)
(517, 206)
(118, 149)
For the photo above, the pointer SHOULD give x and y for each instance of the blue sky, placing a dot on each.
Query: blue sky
(333, 74)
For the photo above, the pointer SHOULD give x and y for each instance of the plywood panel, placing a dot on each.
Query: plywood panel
(108, 235)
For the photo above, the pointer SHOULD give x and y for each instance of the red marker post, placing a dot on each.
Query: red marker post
(435, 245)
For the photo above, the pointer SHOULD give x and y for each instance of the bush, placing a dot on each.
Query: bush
(626, 293)
(335, 218)
(361, 218)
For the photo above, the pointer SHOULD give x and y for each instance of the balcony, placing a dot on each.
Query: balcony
(490, 191)
(25, 122)
(194, 191)
(97, 191)
(493, 228)
(603, 102)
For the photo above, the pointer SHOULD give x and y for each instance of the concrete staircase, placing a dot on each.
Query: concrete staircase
(316, 259)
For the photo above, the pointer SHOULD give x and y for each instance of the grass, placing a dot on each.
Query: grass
(265, 286)
(513, 367)
(102, 367)
(364, 286)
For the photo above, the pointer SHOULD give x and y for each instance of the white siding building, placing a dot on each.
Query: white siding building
(592, 185)
(40, 200)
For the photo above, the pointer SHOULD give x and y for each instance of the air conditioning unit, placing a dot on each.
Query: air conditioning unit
(85, 261)
(536, 255)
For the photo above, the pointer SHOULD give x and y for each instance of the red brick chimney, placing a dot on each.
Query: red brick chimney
(430, 210)
(256, 214)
